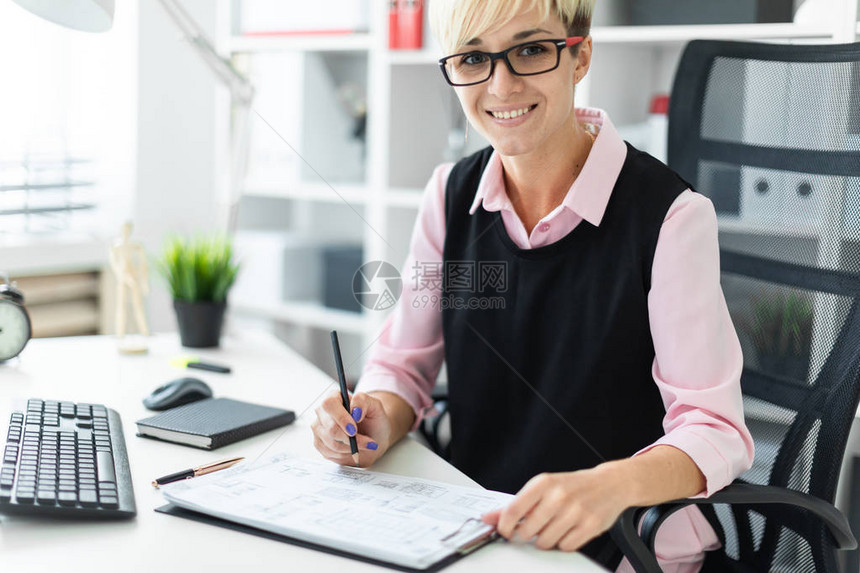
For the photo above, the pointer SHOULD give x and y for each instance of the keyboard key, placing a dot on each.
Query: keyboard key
(108, 501)
(88, 498)
(46, 496)
(67, 498)
(104, 466)
(25, 495)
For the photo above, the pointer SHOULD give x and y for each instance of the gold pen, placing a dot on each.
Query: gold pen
(199, 471)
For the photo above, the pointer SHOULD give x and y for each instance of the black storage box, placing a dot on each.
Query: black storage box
(340, 264)
(675, 12)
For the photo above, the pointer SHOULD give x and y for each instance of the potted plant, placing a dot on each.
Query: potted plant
(199, 274)
(782, 333)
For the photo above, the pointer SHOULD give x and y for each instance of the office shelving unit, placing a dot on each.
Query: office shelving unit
(412, 113)
(324, 43)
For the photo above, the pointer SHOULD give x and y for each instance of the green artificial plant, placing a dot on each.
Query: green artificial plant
(199, 269)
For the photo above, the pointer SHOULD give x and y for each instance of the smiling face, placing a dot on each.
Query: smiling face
(523, 115)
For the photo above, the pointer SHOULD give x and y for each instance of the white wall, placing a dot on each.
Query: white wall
(177, 185)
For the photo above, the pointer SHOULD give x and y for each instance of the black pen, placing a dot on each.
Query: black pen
(344, 393)
(198, 471)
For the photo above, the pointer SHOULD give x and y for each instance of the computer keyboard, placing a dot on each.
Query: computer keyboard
(66, 460)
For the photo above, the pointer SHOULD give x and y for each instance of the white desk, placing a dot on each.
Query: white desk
(89, 369)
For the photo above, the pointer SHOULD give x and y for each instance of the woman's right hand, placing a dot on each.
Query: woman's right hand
(368, 422)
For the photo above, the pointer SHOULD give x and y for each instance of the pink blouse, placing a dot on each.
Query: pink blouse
(698, 358)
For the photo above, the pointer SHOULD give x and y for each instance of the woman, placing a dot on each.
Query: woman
(575, 298)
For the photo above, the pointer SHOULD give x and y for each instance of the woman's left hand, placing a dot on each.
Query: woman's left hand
(564, 510)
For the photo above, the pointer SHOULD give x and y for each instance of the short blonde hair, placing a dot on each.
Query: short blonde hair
(455, 22)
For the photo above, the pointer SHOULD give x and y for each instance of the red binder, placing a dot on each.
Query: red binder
(392, 25)
(410, 24)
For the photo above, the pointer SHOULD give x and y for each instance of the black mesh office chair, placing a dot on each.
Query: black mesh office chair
(771, 133)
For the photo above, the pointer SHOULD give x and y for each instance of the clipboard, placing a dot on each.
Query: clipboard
(170, 509)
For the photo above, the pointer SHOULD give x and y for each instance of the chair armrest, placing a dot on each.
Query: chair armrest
(626, 537)
(639, 547)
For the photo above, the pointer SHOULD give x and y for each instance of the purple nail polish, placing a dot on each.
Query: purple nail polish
(356, 413)
(350, 429)
(372, 445)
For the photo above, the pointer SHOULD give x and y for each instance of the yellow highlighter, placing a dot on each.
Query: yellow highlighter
(195, 362)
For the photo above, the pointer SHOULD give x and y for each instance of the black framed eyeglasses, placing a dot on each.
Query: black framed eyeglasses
(526, 59)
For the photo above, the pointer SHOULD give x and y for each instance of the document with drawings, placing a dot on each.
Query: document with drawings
(409, 522)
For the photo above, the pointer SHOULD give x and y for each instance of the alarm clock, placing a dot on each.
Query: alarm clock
(15, 328)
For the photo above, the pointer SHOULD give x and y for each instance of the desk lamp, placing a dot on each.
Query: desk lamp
(83, 15)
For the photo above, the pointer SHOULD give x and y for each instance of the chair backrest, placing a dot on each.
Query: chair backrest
(771, 134)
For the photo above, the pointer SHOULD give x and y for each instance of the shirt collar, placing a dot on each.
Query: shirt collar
(589, 194)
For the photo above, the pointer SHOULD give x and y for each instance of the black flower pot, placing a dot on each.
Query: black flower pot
(199, 322)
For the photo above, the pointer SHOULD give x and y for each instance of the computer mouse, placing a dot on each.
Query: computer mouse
(176, 393)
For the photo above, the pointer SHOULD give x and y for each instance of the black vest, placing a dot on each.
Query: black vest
(549, 350)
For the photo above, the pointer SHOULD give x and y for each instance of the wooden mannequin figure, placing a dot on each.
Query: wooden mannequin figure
(128, 261)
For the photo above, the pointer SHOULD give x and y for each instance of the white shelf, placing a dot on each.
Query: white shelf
(305, 314)
(306, 43)
(404, 197)
(412, 57)
(352, 194)
(733, 224)
(681, 34)
(336, 193)
(658, 35)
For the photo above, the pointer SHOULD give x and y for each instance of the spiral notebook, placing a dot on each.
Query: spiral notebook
(406, 523)
(213, 422)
